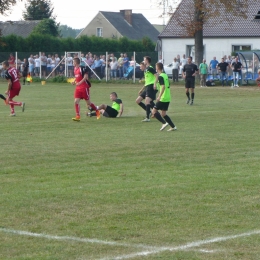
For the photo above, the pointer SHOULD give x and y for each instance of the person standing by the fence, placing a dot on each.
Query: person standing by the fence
(175, 70)
(236, 66)
(203, 69)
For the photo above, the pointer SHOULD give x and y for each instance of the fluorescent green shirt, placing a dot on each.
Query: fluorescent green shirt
(149, 76)
(164, 81)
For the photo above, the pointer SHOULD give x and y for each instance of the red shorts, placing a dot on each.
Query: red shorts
(14, 92)
(82, 93)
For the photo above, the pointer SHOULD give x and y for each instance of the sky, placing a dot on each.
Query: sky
(78, 13)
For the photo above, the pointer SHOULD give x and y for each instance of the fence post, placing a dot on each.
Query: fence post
(106, 66)
(40, 57)
(134, 69)
(16, 60)
(66, 67)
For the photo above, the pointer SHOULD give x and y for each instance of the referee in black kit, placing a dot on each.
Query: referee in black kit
(189, 72)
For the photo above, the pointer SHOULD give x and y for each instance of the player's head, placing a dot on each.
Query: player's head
(189, 59)
(142, 66)
(5, 65)
(113, 96)
(76, 61)
(159, 66)
(147, 60)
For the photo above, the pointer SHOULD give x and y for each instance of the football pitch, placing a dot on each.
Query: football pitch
(120, 188)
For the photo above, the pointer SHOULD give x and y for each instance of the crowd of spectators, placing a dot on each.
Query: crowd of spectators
(54, 65)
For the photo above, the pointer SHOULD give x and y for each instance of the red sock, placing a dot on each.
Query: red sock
(13, 103)
(12, 108)
(93, 106)
(77, 108)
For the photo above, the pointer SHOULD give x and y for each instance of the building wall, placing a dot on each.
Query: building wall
(212, 47)
(99, 21)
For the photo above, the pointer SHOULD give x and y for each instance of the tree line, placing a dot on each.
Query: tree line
(38, 42)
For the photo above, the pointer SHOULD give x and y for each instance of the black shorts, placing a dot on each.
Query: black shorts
(44, 68)
(162, 105)
(151, 92)
(111, 112)
(190, 82)
(143, 94)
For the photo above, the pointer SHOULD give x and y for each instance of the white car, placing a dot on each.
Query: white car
(168, 70)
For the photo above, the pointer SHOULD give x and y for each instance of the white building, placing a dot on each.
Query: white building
(222, 34)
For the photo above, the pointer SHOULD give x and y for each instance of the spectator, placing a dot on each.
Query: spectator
(69, 61)
(37, 61)
(49, 64)
(120, 66)
(113, 56)
(223, 67)
(43, 64)
(213, 66)
(132, 62)
(31, 65)
(57, 61)
(103, 65)
(61, 70)
(53, 65)
(160, 59)
(203, 70)
(126, 63)
(97, 66)
(178, 58)
(183, 63)
(229, 61)
(11, 60)
(236, 66)
(25, 71)
(113, 67)
(175, 70)
(82, 60)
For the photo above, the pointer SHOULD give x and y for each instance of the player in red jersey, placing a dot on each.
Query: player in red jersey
(82, 89)
(12, 75)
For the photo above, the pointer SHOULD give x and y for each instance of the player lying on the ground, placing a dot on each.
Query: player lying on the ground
(116, 110)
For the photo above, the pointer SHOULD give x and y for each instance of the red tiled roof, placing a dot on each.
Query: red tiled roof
(224, 25)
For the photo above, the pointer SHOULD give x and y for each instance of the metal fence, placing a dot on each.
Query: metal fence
(51, 64)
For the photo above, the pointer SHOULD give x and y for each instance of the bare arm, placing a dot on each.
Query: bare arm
(121, 110)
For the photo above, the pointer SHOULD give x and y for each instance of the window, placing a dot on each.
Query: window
(99, 32)
(241, 48)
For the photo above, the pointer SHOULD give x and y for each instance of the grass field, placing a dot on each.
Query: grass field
(120, 188)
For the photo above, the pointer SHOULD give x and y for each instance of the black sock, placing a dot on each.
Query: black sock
(188, 95)
(152, 104)
(159, 117)
(148, 110)
(192, 96)
(142, 105)
(23, 80)
(169, 121)
(2, 96)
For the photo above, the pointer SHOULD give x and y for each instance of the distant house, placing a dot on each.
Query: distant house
(221, 37)
(120, 24)
(19, 28)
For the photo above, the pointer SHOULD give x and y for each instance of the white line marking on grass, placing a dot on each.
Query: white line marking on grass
(184, 247)
(76, 239)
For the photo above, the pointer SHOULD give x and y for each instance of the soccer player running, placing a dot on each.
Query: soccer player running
(189, 72)
(116, 110)
(149, 90)
(82, 89)
(12, 76)
(163, 99)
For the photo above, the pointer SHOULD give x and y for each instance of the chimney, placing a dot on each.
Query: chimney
(127, 15)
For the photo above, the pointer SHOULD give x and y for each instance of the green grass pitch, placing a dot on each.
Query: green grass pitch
(125, 182)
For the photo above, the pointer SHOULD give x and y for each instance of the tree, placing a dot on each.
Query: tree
(6, 5)
(193, 14)
(67, 31)
(47, 27)
(38, 10)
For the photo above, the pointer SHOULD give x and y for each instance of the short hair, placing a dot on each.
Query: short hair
(6, 63)
(114, 93)
(190, 57)
(141, 63)
(159, 65)
(148, 59)
(77, 60)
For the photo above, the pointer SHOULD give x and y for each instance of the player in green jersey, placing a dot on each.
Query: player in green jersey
(116, 110)
(163, 99)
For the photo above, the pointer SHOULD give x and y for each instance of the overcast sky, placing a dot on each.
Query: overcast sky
(78, 13)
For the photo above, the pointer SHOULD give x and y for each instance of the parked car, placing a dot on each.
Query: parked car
(168, 70)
